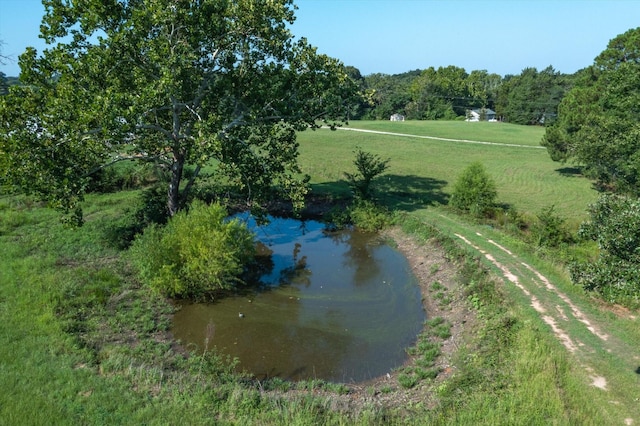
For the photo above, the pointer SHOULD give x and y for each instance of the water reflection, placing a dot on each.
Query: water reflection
(339, 306)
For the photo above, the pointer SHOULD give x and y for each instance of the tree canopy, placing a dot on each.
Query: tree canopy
(598, 128)
(531, 97)
(597, 124)
(178, 83)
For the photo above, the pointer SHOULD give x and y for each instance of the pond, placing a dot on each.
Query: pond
(339, 306)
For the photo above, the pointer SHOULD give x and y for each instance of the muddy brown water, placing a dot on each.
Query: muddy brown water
(338, 306)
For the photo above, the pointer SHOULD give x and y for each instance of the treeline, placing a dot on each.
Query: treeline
(448, 93)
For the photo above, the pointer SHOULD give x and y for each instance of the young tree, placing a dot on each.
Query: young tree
(369, 167)
(179, 83)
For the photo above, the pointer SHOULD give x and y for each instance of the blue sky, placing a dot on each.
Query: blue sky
(394, 36)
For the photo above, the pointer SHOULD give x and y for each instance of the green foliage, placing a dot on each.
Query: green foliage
(186, 84)
(440, 93)
(368, 166)
(614, 226)
(439, 327)
(533, 96)
(196, 254)
(369, 216)
(474, 191)
(124, 176)
(550, 229)
(364, 214)
(408, 380)
(149, 208)
(390, 94)
(597, 124)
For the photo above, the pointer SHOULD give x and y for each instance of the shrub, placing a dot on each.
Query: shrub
(368, 216)
(474, 191)
(408, 380)
(614, 226)
(196, 254)
(153, 206)
(550, 229)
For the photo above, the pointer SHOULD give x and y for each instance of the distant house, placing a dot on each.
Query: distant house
(397, 117)
(481, 114)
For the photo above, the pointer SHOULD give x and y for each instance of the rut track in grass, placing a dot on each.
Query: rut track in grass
(407, 135)
(609, 362)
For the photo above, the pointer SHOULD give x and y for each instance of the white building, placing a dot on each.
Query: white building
(481, 114)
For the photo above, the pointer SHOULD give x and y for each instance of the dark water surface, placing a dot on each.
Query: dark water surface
(338, 306)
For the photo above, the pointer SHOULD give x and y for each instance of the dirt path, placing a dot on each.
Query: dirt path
(607, 360)
(405, 135)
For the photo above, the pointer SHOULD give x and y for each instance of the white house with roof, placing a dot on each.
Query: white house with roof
(481, 114)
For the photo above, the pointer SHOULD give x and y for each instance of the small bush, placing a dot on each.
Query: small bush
(437, 286)
(368, 216)
(550, 229)
(153, 206)
(475, 191)
(408, 380)
(196, 254)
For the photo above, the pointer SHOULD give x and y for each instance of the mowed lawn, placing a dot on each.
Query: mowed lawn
(423, 171)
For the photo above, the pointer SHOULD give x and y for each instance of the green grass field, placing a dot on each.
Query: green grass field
(423, 171)
(81, 341)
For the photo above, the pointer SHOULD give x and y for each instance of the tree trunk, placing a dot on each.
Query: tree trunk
(173, 196)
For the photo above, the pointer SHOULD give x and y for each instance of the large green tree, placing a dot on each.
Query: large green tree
(389, 93)
(598, 128)
(439, 93)
(180, 83)
(597, 124)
